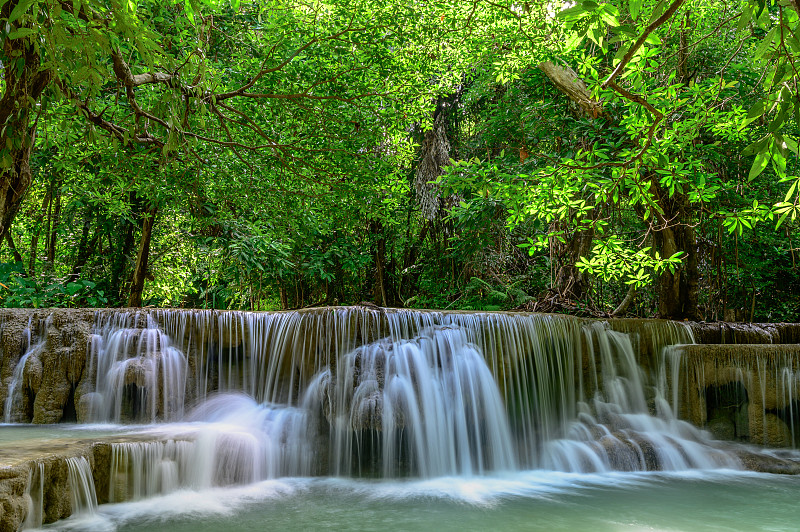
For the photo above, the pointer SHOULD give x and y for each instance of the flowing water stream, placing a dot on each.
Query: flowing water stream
(363, 420)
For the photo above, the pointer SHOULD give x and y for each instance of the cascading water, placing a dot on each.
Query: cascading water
(399, 393)
(355, 392)
(82, 492)
(239, 442)
(137, 372)
(747, 393)
(429, 402)
(620, 430)
(35, 498)
(424, 393)
(14, 395)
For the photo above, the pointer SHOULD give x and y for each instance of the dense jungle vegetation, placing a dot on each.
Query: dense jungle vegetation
(625, 157)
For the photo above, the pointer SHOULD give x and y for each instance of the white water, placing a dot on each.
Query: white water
(137, 368)
(35, 497)
(464, 402)
(15, 387)
(430, 402)
(532, 500)
(427, 407)
(81, 485)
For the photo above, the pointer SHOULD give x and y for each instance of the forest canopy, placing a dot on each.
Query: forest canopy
(623, 157)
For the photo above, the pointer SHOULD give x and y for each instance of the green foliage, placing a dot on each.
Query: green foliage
(20, 291)
(276, 147)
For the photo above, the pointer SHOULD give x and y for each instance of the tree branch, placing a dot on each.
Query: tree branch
(640, 41)
(567, 81)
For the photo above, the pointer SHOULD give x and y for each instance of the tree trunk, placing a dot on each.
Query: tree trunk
(24, 82)
(121, 261)
(379, 256)
(36, 232)
(55, 219)
(284, 298)
(672, 232)
(84, 249)
(626, 302)
(570, 282)
(569, 83)
(140, 273)
(17, 256)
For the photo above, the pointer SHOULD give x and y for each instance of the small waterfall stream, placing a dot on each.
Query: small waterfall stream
(82, 492)
(14, 396)
(35, 498)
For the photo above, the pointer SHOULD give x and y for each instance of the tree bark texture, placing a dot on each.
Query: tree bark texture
(673, 232)
(54, 218)
(25, 80)
(379, 292)
(569, 83)
(570, 282)
(14, 250)
(37, 232)
(142, 258)
(85, 248)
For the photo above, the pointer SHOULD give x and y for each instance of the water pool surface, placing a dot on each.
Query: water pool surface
(534, 500)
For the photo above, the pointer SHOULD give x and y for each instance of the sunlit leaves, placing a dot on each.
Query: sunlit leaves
(612, 259)
(590, 19)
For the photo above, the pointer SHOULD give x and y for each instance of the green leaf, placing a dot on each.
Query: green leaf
(777, 122)
(653, 39)
(757, 110)
(572, 13)
(20, 10)
(608, 17)
(765, 43)
(791, 191)
(744, 20)
(791, 145)
(574, 40)
(779, 163)
(635, 6)
(21, 32)
(781, 219)
(189, 10)
(74, 288)
(755, 147)
(759, 164)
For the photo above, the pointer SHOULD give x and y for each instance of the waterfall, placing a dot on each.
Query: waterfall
(145, 469)
(82, 492)
(14, 409)
(246, 442)
(139, 374)
(621, 429)
(235, 398)
(403, 392)
(35, 497)
(430, 402)
(366, 392)
(743, 392)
